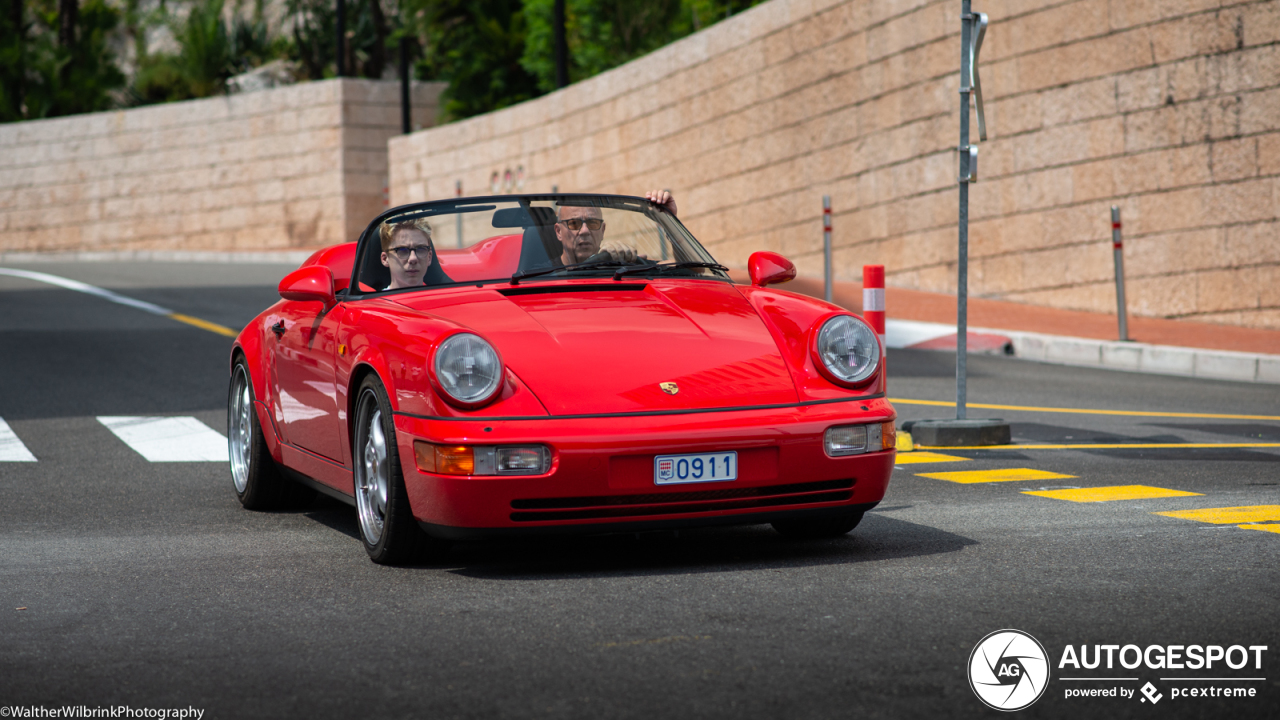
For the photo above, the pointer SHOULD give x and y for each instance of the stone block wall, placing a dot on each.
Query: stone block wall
(1168, 109)
(294, 167)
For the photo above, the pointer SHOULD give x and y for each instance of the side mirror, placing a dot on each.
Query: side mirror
(311, 283)
(769, 268)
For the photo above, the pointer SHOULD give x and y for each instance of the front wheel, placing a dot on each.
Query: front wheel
(390, 533)
(819, 528)
(258, 482)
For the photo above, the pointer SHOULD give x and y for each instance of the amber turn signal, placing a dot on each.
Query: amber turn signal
(888, 436)
(444, 459)
(481, 459)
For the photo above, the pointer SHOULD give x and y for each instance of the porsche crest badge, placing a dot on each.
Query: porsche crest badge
(669, 388)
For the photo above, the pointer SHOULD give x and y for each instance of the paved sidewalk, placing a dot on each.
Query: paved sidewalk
(1068, 337)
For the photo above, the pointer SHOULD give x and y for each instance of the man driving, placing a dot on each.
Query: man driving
(580, 231)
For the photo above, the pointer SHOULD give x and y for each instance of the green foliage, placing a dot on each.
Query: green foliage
(159, 78)
(199, 69)
(250, 44)
(52, 79)
(476, 46)
(314, 43)
(603, 34)
(13, 52)
(492, 53)
(205, 58)
(212, 50)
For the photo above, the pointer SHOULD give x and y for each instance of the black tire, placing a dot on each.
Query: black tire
(257, 480)
(389, 531)
(819, 528)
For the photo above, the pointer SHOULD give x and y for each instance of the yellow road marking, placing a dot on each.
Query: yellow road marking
(203, 324)
(1264, 528)
(926, 457)
(985, 476)
(1103, 446)
(1082, 411)
(1229, 515)
(1107, 494)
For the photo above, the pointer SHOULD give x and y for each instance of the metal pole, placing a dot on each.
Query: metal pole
(962, 274)
(342, 38)
(458, 193)
(561, 49)
(1118, 246)
(826, 247)
(406, 104)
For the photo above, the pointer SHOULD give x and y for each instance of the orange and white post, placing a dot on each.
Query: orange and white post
(873, 299)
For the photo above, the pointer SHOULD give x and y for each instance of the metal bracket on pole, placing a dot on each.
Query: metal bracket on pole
(980, 19)
(973, 165)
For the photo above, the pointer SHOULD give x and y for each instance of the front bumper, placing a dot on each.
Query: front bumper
(602, 477)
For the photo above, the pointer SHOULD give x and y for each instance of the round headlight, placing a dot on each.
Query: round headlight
(848, 349)
(467, 368)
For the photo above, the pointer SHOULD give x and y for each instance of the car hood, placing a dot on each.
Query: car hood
(587, 348)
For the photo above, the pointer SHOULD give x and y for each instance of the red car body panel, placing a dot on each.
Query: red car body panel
(583, 360)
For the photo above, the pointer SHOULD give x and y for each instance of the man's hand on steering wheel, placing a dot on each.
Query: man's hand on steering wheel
(620, 253)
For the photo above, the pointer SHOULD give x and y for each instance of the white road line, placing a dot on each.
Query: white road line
(85, 288)
(169, 439)
(11, 448)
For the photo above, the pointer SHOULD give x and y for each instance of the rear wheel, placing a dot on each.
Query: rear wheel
(258, 482)
(390, 533)
(819, 528)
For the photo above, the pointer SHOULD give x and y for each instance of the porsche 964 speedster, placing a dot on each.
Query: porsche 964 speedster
(521, 364)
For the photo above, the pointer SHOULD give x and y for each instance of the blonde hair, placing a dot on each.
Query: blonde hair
(388, 231)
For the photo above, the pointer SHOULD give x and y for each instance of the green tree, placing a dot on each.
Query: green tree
(476, 46)
(68, 63)
(199, 68)
(314, 42)
(603, 34)
(13, 60)
(210, 51)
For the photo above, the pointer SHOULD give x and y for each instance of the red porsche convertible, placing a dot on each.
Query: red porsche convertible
(554, 363)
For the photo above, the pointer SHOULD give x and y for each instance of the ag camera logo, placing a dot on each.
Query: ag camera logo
(1008, 670)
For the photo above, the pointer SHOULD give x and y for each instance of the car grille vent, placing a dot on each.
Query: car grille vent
(549, 289)
(676, 503)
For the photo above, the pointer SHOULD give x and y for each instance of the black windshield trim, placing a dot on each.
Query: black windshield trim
(561, 288)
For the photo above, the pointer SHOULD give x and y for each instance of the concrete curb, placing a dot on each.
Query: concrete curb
(1141, 357)
(1107, 354)
(292, 257)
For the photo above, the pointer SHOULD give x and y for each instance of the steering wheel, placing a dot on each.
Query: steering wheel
(605, 255)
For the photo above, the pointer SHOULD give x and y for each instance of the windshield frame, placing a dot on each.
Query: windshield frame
(666, 222)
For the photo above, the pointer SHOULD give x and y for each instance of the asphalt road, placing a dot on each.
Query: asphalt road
(145, 584)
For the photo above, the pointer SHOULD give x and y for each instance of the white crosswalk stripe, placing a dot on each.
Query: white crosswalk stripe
(169, 439)
(11, 448)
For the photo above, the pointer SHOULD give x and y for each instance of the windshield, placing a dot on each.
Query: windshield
(527, 238)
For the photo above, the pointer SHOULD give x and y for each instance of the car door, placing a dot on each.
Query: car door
(305, 352)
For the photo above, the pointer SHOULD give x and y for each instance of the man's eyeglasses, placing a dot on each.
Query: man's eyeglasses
(575, 224)
(422, 251)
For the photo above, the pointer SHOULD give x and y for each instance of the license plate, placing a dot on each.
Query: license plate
(705, 467)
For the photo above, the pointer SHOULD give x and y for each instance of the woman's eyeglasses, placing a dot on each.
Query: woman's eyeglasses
(422, 251)
(575, 224)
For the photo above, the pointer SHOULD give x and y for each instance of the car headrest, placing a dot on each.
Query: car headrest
(524, 217)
